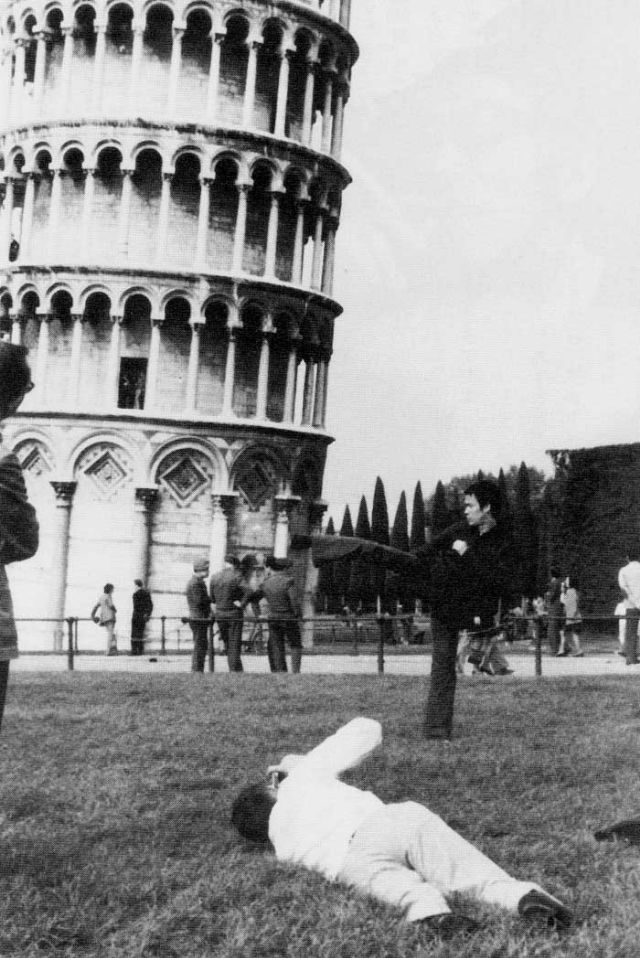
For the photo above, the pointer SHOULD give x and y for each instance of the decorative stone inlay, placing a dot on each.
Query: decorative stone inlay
(33, 459)
(184, 480)
(256, 480)
(106, 473)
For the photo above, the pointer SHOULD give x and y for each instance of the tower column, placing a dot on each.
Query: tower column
(65, 69)
(298, 246)
(319, 399)
(272, 234)
(241, 227)
(5, 86)
(73, 383)
(307, 116)
(307, 396)
(338, 122)
(229, 373)
(17, 90)
(263, 369)
(174, 69)
(16, 329)
(163, 216)
(64, 492)
(98, 66)
(214, 76)
(345, 13)
(136, 60)
(326, 112)
(283, 90)
(87, 209)
(203, 223)
(316, 266)
(250, 85)
(38, 75)
(125, 212)
(193, 369)
(328, 264)
(113, 364)
(7, 216)
(54, 212)
(142, 513)
(290, 387)
(27, 215)
(223, 504)
(152, 368)
(284, 507)
(42, 356)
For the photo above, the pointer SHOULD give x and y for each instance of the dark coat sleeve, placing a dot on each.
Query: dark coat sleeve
(19, 533)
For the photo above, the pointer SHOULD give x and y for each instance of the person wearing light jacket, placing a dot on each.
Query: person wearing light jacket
(401, 854)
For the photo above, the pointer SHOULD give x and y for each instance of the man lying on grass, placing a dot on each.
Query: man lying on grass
(401, 854)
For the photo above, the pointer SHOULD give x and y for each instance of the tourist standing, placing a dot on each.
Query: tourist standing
(572, 624)
(199, 612)
(629, 582)
(104, 613)
(18, 523)
(142, 609)
(279, 589)
(227, 594)
(555, 610)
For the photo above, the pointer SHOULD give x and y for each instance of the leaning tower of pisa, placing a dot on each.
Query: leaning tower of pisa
(171, 192)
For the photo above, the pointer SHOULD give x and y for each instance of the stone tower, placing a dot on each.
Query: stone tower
(171, 192)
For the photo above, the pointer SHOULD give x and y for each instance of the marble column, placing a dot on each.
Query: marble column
(326, 111)
(145, 499)
(65, 69)
(307, 396)
(222, 504)
(229, 373)
(163, 217)
(284, 507)
(17, 89)
(211, 110)
(42, 358)
(75, 365)
(54, 213)
(328, 264)
(113, 364)
(87, 210)
(174, 70)
(64, 492)
(338, 123)
(263, 370)
(272, 235)
(290, 386)
(298, 246)
(316, 511)
(283, 91)
(307, 116)
(98, 66)
(241, 227)
(345, 13)
(6, 58)
(191, 393)
(125, 213)
(38, 76)
(319, 399)
(16, 328)
(27, 215)
(7, 216)
(152, 368)
(136, 61)
(316, 265)
(250, 86)
(203, 223)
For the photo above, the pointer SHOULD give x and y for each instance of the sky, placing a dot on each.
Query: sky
(488, 257)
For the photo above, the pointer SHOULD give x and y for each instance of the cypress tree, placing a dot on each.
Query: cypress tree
(360, 579)
(505, 507)
(417, 539)
(380, 515)
(400, 531)
(524, 534)
(342, 569)
(440, 518)
(330, 530)
(346, 529)
(398, 587)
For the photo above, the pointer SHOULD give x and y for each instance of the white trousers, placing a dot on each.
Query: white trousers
(408, 857)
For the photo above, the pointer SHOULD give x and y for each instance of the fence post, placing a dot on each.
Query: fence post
(210, 649)
(70, 644)
(75, 635)
(538, 652)
(163, 635)
(355, 636)
(381, 630)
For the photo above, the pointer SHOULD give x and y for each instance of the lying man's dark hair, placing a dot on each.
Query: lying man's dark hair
(251, 810)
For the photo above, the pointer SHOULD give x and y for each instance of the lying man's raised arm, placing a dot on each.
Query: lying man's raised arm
(347, 748)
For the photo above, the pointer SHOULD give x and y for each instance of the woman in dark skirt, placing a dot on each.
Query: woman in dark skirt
(18, 523)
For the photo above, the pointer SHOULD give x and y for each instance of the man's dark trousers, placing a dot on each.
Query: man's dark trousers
(438, 717)
(230, 626)
(631, 636)
(200, 643)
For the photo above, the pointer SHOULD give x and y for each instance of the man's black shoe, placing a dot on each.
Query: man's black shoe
(448, 925)
(538, 906)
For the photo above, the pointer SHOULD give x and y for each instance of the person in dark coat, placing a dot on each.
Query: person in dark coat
(18, 524)
(468, 570)
(142, 609)
(555, 610)
(228, 593)
(279, 589)
(199, 612)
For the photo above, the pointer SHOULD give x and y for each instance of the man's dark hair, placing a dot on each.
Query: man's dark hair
(633, 554)
(487, 493)
(15, 374)
(108, 588)
(251, 810)
(554, 571)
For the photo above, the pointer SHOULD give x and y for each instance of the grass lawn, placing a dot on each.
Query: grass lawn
(115, 796)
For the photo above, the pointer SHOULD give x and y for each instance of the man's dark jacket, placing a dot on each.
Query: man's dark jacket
(476, 584)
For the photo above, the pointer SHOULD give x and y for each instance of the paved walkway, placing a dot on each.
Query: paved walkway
(523, 664)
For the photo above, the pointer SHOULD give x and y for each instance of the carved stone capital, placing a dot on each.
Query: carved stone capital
(146, 497)
(223, 502)
(286, 504)
(64, 491)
